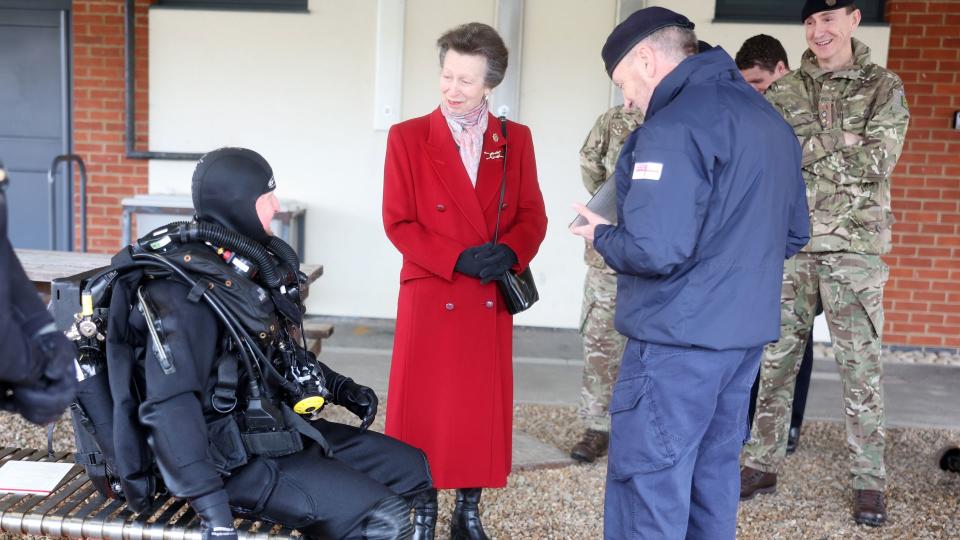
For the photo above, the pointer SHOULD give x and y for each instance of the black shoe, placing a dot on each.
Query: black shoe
(593, 445)
(465, 521)
(949, 459)
(793, 440)
(425, 515)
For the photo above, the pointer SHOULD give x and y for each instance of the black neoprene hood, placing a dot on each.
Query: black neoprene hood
(226, 185)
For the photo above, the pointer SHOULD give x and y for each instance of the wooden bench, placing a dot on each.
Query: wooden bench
(76, 510)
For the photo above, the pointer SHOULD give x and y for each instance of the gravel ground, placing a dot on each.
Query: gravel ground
(813, 501)
(947, 357)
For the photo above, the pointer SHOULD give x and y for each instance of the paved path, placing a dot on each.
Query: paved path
(547, 368)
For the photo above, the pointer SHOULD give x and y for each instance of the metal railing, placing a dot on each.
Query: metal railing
(51, 179)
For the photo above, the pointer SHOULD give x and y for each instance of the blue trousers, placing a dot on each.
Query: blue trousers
(678, 422)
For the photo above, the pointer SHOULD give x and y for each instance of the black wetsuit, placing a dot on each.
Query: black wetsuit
(325, 497)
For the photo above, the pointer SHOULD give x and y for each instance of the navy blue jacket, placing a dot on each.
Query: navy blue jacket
(710, 201)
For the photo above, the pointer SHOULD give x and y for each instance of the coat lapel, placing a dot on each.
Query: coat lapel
(490, 173)
(445, 159)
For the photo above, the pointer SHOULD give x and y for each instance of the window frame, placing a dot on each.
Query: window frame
(283, 6)
(785, 11)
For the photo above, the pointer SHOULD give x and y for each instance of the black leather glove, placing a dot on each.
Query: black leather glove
(358, 399)
(44, 399)
(216, 519)
(468, 263)
(497, 262)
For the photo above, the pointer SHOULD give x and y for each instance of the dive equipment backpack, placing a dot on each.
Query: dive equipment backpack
(217, 266)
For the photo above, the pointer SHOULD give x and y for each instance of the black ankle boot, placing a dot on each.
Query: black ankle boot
(465, 522)
(425, 515)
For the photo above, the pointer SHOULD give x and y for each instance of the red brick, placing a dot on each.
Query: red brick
(948, 240)
(927, 318)
(927, 146)
(953, 89)
(944, 330)
(934, 275)
(913, 157)
(935, 77)
(916, 193)
(937, 206)
(924, 41)
(930, 296)
(934, 252)
(906, 7)
(925, 169)
(946, 308)
(930, 123)
(923, 217)
(941, 230)
(944, 31)
(907, 328)
(943, 6)
(924, 340)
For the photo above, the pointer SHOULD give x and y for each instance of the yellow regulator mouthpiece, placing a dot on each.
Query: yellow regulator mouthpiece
(86, 305)
(308, 405)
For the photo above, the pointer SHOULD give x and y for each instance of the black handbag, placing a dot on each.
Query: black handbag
(518, 290)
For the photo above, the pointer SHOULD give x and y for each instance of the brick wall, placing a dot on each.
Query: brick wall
(922, 297)
(99, 110)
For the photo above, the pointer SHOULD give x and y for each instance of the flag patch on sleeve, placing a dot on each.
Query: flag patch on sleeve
(647, 171)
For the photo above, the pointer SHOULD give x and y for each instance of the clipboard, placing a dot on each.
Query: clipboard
(603, 203)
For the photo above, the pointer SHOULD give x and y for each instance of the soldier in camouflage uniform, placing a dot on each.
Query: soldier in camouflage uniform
(851, 118)
(602, 344)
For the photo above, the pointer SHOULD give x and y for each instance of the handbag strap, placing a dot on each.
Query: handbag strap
(503, 180)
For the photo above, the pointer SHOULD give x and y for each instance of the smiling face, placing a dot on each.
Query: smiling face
(828, 36)
(462, 81)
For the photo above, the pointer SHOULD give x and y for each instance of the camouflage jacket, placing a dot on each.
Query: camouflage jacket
(848, 187)
(598, 156)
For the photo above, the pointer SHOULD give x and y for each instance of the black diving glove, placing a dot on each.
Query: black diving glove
(356, 398)
(216, 519)
(468, 263)
(44, 399)
(496, 263)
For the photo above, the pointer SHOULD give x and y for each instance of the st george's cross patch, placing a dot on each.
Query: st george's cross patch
(647, 171)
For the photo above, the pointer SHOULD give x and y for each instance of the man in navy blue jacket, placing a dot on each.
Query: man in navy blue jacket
(710, 203)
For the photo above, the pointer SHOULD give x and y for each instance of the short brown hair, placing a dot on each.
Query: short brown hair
(762, 51)
(478, 39)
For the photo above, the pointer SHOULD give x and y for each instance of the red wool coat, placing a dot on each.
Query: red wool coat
(451, 381)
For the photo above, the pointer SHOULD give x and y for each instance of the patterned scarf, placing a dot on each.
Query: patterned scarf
(467, 130)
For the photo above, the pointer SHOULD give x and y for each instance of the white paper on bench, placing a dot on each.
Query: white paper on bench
(32, 477)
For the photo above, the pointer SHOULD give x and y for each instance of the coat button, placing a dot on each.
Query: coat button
(441, 208)
(449, 306)
(504, 205)
(489, 304)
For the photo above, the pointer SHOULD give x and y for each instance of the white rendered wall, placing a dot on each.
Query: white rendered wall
(298, 88)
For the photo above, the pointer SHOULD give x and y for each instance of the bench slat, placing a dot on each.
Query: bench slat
(76, 510)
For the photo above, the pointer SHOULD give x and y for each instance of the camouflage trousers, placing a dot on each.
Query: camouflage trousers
(850, 288)
(602, 347)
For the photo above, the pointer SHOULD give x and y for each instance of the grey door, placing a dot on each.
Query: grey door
(35, 119)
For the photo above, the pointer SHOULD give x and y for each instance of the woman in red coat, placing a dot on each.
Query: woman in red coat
(451, 382)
